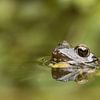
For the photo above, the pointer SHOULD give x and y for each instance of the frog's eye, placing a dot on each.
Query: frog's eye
(82, 51)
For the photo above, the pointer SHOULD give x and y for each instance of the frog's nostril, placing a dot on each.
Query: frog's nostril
(94, 57)
(96, 60)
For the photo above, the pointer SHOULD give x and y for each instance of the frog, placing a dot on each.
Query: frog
(70, 63)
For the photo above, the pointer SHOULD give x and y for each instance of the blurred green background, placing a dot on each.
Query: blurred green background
(30, 29)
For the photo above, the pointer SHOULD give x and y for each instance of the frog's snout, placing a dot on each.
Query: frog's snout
(94, 63)
(96, 60)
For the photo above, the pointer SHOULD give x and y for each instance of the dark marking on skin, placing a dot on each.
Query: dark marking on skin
(59, 57)
(59, 72)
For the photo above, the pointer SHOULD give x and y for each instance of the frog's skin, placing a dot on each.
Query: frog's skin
(73, 63)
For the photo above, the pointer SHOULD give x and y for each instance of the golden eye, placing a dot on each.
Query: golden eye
(82, 51)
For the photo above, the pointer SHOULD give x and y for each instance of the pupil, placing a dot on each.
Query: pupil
(83, 53)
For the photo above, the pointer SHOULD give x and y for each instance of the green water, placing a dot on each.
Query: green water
(31, 29)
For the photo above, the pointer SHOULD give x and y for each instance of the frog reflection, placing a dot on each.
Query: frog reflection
(73, 64)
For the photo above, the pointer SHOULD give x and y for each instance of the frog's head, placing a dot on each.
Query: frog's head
(67, 59)
(79, 55)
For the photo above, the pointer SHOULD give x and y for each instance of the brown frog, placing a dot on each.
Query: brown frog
(73, 63)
